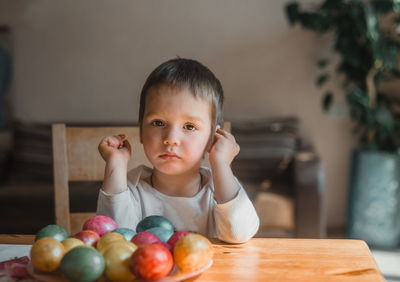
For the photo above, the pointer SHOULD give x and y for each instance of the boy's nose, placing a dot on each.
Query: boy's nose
(171, 138)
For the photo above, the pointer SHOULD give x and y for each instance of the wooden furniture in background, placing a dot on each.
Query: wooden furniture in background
(76, 158)
(283, 175)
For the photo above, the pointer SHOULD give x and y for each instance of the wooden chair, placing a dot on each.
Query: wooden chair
(76, 158)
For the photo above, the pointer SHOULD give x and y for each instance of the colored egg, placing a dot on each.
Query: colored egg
(143, 238)
(117, 260)
(82, 264)
(192, 252)
(175, 237)
(100, 224)
(162, 233)
(154, 221)
(126, 232)
(71, 243)
(46, 254)
(151, 261)
(52, 231)
(108, 238)
(89, 237)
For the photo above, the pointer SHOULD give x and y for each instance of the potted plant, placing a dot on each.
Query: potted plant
(365, 37)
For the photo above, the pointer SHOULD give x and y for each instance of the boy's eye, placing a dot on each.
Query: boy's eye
(157, 123)
(190, 127)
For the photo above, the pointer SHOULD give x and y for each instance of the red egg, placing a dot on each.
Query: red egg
(166, 245)
(144, 238)
(88, 237)
(175, 237)
(151, 261)
(100, 224)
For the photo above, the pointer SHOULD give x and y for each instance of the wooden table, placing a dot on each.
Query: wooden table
(269, 259)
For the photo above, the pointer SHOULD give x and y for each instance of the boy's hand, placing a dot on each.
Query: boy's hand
(115, 147)
(224, 149)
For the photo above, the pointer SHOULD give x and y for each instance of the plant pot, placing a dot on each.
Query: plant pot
(374, 198)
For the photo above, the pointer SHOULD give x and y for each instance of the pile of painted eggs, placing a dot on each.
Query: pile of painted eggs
(101, 250)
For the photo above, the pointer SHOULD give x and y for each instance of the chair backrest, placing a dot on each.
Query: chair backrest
(76, 158)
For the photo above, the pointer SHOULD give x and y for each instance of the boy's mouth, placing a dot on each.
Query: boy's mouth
(169, 156)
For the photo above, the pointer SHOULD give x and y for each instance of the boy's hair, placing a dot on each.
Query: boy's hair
(185, 73)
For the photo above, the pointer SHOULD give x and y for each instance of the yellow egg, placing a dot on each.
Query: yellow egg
(71, 243)
(118, 243)
(108, 238)
(117, 261)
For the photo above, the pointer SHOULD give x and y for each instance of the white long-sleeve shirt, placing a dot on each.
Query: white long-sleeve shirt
(235, 221)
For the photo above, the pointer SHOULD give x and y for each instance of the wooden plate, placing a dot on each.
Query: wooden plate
(174, 276)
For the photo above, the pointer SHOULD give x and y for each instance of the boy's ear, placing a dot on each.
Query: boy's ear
(211, 139)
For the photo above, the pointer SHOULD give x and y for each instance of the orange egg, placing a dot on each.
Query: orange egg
(192, 252)
(46, 254)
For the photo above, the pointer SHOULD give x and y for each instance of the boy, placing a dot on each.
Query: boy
(180, 119)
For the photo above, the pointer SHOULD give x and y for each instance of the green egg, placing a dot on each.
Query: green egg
(162, 233)
(53, 231)
(126, 232)
(154, 221)
(82, 264)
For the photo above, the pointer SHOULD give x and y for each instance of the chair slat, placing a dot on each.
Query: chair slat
(77, 221)
(85, 162)
(60, 163)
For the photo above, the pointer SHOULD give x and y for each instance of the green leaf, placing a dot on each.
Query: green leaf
(322, 63)
(322, 79)
(327, 101)
(292, 12)
(385, 6)
(318, 22)
(331, 4)
(358, 97)
(373, 31)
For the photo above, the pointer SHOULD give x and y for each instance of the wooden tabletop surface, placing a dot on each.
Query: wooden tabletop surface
(270, 259)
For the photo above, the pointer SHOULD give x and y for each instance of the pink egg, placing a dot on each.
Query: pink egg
(100, 224)
(175, 237)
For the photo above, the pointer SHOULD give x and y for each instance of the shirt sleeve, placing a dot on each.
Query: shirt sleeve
(123, 207)
(237, 220)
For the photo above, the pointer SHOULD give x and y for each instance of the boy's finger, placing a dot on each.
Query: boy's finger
(222, 132)
(128, 146)
(227, 135)
(113, 141)
(216, 137)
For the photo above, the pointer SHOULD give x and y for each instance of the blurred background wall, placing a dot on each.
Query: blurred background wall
(86, 61)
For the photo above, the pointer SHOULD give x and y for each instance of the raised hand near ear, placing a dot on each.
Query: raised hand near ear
(224, 149)
(115, 147)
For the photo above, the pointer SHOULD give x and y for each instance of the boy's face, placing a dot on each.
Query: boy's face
(176, 129)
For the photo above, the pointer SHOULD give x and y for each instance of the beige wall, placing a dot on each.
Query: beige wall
(85, 61)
